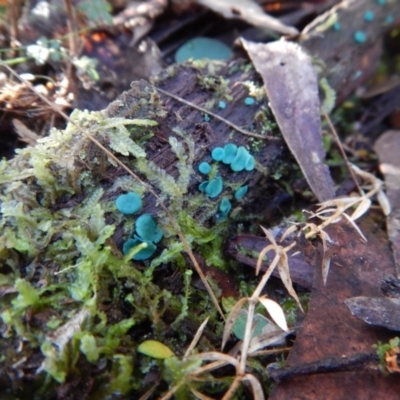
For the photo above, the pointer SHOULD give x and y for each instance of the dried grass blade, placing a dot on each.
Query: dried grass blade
(196, 337)
(267, 339)
(326, 263)
(258, 393)
(384, 202)
(232, 389)
(275, 311)
(263, 252)
(284, 273)
(355, 226)
(289, 231)
(268, 235)
(208, 367)
(361, 209)
(170, 393)
(216, 356)
(200, 395)
(230, 321)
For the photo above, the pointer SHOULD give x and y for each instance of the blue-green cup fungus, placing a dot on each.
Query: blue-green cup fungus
(148, 232)
(201, 47)
(337, 26)
(241, 192)
(360, 37)
(129, 203)
(202, 186)
(223, 209)
(389, 20)
(230, 151)
(221, 104)
(204, 168)
(142, 254)
(214, 187)
(250, 163)
(218, 153)
(249, 101)
(147, 229)
(369, 16)
(243, 160)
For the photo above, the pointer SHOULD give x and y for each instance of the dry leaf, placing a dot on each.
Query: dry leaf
(24, 133)
(249, 11)
(284, 273)
(361, 209)
(258, 393)
(196, 337)
(384, 202)
(274, 338)
(230, 321)
(388, 149)
(292, 89)
(275, 311)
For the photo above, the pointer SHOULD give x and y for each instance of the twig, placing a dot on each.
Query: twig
(343, 153)
(330, 364)
(216, 116)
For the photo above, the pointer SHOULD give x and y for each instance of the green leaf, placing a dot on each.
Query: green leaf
(177, 370)
(28, 296)
(123, 144)
(52, 364)
(121, 380)
(97, 11)
(155, 349)
(89, 347)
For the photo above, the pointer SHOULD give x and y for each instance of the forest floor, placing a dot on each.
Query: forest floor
(200, 199)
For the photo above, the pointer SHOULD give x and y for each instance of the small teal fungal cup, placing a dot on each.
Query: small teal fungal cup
(202, 186)
(142, 254)
(204, 168)
(239, 162)
(337, 26)
(250, 163)
(223, 209)
(389, 20)
(221, 104)
(230, 152)
(147, 229)
(129, 203)
(214, 187)
(218, 154)
(369, 15)
(360, 37)
(249, 101)
(202, 47)
(241, 192)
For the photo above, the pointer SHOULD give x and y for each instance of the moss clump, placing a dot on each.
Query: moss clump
(73, 297)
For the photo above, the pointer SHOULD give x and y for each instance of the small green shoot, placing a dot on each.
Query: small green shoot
(388, 354)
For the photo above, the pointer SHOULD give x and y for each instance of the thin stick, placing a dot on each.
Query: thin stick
(343, 153)
(216, 116)
(144, 184)
(72, 28)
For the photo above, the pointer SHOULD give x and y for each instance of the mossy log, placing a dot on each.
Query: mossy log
(67, 291)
